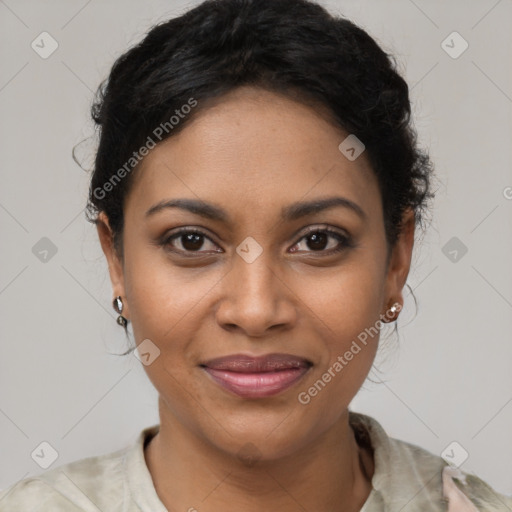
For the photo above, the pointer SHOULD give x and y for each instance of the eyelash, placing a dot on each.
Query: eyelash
(345, 241)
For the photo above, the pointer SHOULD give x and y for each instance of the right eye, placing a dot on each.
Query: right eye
(191, 241)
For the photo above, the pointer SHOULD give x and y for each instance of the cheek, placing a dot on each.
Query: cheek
(344, 301)
(163, 298)
(167, 306)
(343, 310)
(340, 311)
(171, 306)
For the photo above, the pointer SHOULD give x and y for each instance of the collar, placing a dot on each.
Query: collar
(404, 474)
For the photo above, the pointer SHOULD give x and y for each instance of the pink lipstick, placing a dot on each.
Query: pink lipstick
(257, 377)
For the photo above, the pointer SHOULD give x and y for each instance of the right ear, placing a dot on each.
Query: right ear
(115, 265)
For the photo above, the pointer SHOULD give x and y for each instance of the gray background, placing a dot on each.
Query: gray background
(450, 377)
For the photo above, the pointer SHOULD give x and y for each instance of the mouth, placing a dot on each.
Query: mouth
(257, 377)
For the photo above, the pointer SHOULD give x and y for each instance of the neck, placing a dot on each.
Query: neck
(331, 473)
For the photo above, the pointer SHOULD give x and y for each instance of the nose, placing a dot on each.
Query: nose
(256, 298)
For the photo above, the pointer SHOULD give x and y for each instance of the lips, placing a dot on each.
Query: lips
(257, 377)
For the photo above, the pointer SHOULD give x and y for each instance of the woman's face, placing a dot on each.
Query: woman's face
(256, 283)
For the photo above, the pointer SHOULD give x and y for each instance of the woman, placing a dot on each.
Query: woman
(256, 191)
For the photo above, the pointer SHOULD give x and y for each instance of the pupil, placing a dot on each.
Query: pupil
(192, 241)
(317, 238)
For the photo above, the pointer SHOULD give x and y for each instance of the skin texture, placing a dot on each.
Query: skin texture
(252, 153)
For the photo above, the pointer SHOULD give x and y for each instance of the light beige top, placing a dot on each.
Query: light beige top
(407, 478)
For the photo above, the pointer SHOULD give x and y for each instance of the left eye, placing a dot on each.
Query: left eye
(317, 240)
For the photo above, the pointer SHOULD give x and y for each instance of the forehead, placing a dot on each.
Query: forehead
(253, 152)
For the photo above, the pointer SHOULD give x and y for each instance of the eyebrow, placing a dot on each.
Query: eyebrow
(291, 212)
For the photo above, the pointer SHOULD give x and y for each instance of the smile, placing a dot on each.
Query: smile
(259, 384)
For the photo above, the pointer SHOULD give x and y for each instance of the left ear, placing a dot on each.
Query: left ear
(115, 265)
(400, 261)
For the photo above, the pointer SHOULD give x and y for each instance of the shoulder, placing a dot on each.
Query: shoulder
(411, 478)
(464, 490)
(82, 485)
